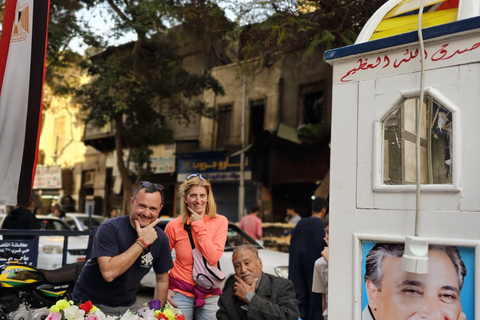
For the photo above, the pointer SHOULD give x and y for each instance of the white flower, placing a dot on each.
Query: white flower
(74, 313)
(99, 314)
(129, 316)
(148, 313)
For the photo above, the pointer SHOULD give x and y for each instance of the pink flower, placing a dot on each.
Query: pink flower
(54, 316)
(91, 317)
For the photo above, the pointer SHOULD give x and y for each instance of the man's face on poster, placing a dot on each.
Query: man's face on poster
(403, 295)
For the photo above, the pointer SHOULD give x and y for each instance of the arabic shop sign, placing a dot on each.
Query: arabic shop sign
(48, 178)
(437, 54)
(214, 167)
(24, 248)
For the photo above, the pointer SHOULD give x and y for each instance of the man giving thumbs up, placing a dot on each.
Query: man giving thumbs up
(124, 249)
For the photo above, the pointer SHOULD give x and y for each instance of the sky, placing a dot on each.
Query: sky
(95, 19)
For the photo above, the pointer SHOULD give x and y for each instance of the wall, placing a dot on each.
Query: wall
(261, 84)
(298, 71)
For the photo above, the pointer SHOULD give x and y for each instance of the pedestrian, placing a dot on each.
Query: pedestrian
(37, 211)
(20, 218)
(292, 216)
(112, 213)
(306, 246)
(124, 250)
(57, 212)
(209, 233)
(320, 273)
(256, 295)
(252, 224)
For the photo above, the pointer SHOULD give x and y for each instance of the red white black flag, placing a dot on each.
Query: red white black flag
(22, 66)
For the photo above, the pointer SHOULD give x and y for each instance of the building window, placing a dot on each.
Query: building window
(257, 118)
(312, 104)
(224, 125)
(399, 143)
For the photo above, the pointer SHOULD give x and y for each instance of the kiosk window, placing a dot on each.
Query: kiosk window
(399, 138)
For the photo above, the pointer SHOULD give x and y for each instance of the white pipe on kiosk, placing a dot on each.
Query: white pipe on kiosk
(415, 258)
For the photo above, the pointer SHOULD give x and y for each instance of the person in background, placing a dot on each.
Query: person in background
(292, 216)
(20, 218)
(306, 246)
(209, 233)
(112, 213)
(320, 273)
(252, 224)
(37, 211)
(124, 250)
(56, 212)
(256, 295)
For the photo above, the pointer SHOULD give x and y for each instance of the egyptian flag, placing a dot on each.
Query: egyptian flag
(22, 66)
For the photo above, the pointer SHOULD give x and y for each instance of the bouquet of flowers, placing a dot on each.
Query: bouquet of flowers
(66, 310)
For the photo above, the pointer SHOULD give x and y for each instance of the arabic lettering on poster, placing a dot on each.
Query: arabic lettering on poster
(21, 248)
(383, 62)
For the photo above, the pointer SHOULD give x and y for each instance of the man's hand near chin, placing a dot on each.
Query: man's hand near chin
(242, 288)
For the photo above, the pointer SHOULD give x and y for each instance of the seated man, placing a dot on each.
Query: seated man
(256, 295)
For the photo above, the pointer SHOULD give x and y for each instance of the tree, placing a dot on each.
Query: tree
(271, 26)
(133, 91)
(136, 84)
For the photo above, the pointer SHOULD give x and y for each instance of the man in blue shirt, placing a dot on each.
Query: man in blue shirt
(124, 250)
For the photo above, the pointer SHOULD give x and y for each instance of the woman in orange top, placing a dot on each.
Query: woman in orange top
(209, 232)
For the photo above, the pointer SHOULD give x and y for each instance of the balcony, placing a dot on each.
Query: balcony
(102, 139)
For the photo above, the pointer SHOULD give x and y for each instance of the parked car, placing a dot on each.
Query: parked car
(274, 262)
(81, 221)
(50, 248)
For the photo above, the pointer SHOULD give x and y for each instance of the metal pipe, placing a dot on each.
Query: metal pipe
(419, 115)
(241, 188)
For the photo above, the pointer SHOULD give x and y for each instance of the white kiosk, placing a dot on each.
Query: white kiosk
(376, 90)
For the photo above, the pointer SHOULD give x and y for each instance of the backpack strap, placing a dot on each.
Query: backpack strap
(187, 228)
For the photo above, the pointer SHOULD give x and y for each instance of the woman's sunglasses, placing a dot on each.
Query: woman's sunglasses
(193, 175)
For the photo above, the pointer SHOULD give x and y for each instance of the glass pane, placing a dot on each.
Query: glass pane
(399, 150)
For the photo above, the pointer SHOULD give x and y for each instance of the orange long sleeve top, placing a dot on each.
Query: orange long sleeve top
(209, 236)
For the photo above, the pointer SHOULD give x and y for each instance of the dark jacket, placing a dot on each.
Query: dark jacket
(306, 246)
(20, 218)
(273, 299)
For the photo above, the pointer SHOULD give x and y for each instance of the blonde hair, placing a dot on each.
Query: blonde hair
(184, 189)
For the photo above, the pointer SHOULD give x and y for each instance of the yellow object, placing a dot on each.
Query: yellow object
(408, 6)
(403, 24)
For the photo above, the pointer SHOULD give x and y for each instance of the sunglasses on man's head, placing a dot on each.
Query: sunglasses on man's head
(193, 175)
(148, 184)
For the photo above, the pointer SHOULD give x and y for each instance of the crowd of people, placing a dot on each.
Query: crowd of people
(126, 247)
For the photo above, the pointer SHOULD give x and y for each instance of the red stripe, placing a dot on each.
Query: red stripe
(8, 20)
(449, 4)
